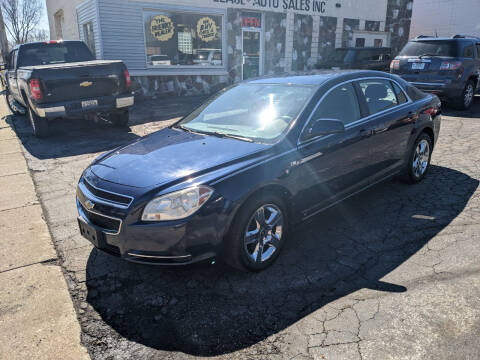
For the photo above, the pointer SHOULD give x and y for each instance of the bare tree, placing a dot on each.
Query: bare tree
(21, 19)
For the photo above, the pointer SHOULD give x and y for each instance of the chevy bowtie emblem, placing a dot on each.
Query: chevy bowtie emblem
(86, 84)
(89, 205)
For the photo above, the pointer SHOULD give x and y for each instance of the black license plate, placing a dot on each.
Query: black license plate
(90, 233)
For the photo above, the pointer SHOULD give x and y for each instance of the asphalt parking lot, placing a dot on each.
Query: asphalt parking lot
(392, 273)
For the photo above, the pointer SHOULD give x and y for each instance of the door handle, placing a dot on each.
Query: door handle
(366, 132)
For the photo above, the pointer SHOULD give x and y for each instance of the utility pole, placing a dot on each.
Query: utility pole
(3, 39)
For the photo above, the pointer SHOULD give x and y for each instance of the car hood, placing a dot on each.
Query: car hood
(170, 155)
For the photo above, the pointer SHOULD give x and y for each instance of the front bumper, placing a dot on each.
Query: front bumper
(74, 108)
(121, 233)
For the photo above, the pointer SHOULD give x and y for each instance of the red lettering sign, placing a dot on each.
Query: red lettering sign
(251, 22)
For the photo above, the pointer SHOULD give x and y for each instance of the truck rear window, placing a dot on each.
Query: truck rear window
(47, 54)
(430, 48)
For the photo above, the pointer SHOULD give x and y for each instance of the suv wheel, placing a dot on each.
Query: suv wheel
(466, 99)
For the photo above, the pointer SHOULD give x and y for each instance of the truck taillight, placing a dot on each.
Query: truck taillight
(128, 79)
(35, 89)
(450, 65)
(395, 65)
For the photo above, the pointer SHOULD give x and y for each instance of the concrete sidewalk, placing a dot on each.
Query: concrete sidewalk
(37, 318)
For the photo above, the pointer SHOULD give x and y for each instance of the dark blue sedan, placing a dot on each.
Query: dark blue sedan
(230, 179)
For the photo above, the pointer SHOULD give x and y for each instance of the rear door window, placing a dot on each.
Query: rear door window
(379, 95)
(468, 51)
(401, 97)
(430, 48)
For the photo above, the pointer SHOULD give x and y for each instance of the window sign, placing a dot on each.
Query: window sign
(251, 20)
(161, 28)
(177, 38)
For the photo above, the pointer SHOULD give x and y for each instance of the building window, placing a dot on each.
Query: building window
(360, 42)
(175, 38)
(59, 20)
(89, 37)
(378, 43)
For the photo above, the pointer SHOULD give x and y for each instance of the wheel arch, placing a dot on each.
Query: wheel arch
(429, 131)
(275, 189)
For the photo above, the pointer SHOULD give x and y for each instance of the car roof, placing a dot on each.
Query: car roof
(317, 78)
(427, 38)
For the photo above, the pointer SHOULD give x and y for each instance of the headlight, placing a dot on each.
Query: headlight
(177, 205)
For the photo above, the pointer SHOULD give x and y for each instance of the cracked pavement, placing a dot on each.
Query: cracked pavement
(392, 273)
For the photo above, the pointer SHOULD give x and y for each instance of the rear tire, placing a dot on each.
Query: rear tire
(39, 124)
(466, 99)
(254, 241)
(13, 105)
(120, 119)
(419, 160)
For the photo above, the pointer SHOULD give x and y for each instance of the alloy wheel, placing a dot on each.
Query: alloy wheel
(264, 232)
(421, 158)
(468, 97)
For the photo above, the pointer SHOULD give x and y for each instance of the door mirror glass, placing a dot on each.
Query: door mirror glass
(322, 127)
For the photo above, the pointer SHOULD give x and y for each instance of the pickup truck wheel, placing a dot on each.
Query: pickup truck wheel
(466, 99)
(39, 124)
(13, 104)
(120, 119)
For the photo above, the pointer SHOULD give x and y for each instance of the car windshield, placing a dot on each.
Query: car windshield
(257, 112)
(57, 53)
(344, 56)
(430, 48)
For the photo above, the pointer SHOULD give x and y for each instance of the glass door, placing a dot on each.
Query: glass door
(251, 53)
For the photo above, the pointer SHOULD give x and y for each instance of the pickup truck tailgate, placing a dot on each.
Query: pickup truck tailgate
(85, 80)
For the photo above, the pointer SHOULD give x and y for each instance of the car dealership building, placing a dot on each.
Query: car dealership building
(196, 46)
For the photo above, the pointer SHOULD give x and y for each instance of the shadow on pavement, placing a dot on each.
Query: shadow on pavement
(213, 310)
(76, 137)
(470, 113)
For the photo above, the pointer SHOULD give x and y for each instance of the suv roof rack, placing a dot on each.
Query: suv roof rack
(458, 36)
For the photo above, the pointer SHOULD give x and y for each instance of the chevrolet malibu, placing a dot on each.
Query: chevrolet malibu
(232, 178)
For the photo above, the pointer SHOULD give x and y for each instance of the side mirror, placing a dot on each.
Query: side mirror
(322, 127)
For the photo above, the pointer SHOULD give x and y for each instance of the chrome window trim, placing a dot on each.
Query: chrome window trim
(103, 201)
(356, 122)
(106, 231)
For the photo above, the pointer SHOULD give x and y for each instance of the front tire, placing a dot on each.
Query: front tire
(39, 124)
(419, 160)
(258, 233)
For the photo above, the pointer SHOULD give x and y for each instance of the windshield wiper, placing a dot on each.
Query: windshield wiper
(425, 55)
(213, 133)
(223, 135)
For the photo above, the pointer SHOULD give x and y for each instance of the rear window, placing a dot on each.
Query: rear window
(47, 54)
(430, 48)
(414, 93)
